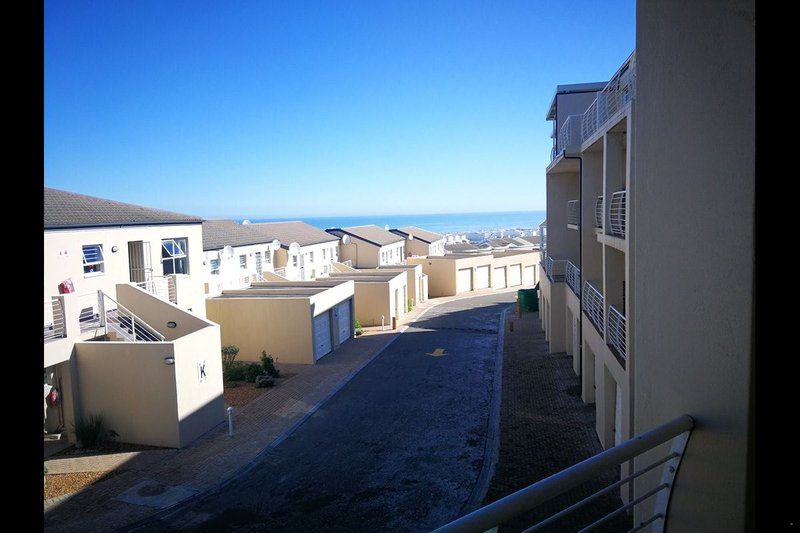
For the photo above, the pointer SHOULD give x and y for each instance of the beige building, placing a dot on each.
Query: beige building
(421, 242)
(117, 346)
(416, 281)
(294, 321)
(381, 296)
(370, 246)
(305, 253)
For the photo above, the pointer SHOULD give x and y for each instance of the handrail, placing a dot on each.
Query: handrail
(54, 327)
(530, 497)
(573, 276)
(593, 305)
(617, 214)
(614, 96)
(616, 331)
(573, 213)
(598, 213)
(146, 331)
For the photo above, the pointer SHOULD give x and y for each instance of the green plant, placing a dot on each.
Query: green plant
(358, 327)
(229, 354)
(410, 305)
(92, 432)
(264, 381)
(252, 371)
(268, 363)
(242, 371)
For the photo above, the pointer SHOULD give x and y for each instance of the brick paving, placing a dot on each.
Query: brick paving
(544, 428)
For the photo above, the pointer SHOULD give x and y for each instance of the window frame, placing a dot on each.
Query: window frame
(215, 271)
(101, 263)
(173, 258)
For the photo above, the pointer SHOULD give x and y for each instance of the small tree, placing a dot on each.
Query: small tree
(229, 354)
(269, 365)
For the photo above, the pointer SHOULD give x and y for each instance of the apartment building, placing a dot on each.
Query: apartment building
(369, 246)
(421, 242)
(305, 253)
(124, 333)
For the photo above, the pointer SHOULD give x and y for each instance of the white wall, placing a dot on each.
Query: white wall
(230, 272)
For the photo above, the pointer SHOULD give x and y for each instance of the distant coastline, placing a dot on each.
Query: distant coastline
(445, 223)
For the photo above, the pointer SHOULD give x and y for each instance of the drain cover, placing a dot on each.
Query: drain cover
(151, 493)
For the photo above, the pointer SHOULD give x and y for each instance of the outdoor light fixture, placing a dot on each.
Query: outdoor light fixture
(172, 325)
(169, 360)
(114, 249)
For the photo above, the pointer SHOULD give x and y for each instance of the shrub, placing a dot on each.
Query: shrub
(268, 364)
(252, 371)
(410, 306)
(359, 330)
(92, 431)
(234, 372)
(229, 354)
(264, 381)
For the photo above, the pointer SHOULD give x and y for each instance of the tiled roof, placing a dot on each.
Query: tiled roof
(369, 233)
(63, 209)
(294, 231)
(464, 246)
(220, 233)
(419, 233)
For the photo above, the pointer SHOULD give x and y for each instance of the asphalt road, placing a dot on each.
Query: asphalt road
(399, 448)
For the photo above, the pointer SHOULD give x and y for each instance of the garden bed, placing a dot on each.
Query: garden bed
(107, 448)
(62, 484)
(240, 393)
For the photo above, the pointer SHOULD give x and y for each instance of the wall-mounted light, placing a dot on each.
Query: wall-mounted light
(114, 249)
(169, 360)
(172, 325)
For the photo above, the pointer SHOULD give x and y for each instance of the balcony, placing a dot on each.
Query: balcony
(593, 306)
(573, 213)
(616, 214)
(161, 286)
(569, 138)
(54, 319)
(611, 100)
(616, 331)
(598, 213)
(555, 269)
(573, 276)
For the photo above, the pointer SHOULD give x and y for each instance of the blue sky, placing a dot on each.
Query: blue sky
(291, 109)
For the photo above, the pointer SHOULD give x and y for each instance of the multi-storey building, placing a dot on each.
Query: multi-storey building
(421, 242)
(369, 246)
(305, 252)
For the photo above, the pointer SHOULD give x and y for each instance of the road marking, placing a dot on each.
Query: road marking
(438, 352)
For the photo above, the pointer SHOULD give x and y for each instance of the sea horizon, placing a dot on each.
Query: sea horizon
(439, 223)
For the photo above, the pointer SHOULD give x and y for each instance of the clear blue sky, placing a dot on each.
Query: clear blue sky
(284, 109)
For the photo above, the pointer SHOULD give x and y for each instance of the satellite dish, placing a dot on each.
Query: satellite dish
(386, 227)
(228, 252)
(345, 239)
(245, 221)
(294, 249)
(410, 237)
(276, 244)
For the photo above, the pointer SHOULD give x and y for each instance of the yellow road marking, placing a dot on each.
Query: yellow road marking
(438, 352)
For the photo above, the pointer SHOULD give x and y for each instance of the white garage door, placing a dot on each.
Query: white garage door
(482, 277)
(345, 321)
(499, 277)
(528, 276)
(322, 334)
(464, 280)
(514, 275)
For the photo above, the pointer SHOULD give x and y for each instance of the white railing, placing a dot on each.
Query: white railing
(54, 320)
(116, 318)
(555, 268)
(573, 276)
(258, 277)
(616, 331)
(676, 432)
(349, 263)
(618, 92)
(159, 286)
(616, 215)
(573, 213)
(570, 135)
(553, 152)
(593, 305)
(598, 213)
(89, 305)
(281, 272)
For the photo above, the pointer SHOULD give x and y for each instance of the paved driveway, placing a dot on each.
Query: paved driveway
(399, 448)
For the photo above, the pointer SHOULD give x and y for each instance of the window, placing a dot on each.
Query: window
(243, 261)
(311, 256)
(173, 256)
(268, 256)
(335, 254)
(294, 260)
(324, 254)
(214, 267)
(94, 264)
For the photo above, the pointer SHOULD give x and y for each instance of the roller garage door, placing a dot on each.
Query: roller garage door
(345, 320)
(482, 277)
(514, 275)
(500, 277)
(464, 280)
(322, 334)
(528, 276)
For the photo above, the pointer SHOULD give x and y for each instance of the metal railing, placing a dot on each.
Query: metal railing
(676, 432)
(573, 213)
(593, 305)
(89, 314)
(54, 320)
(573, 276)
(570, 134)
(555, 268)
(553, 152)
(118, 319)
(616, 215)
(598, 213)
(159, 286)
(281, 272)
(617, 334)
(617, 92)
(349, 263)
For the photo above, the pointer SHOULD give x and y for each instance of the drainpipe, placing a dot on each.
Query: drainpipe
(580, 255)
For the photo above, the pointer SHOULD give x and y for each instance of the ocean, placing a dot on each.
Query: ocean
(449, 223)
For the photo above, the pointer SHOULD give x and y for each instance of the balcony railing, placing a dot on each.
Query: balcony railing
(569, 138)
(555, 268)
(598, 213)
(53, 320)
(163, 287)
(573, 275)
(618, 92)
(616, 215)
(616, 331)
(675, 432)
(593, 305)
(118, 319)
(349, 263)
(573, 212)
(553, 152)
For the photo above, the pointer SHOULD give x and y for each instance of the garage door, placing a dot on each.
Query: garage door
(482, 277)
(464, 280)
(528, 276)
(322, 334)
(499, 277)
(345, 321)
(514, 275)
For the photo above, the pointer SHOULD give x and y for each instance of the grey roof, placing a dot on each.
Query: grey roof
(573, 88)
(369, 233)
(418, 233)
(464, 246)
(63, 209)
(528, 239)
(220, 233)
(502, 242)
(293, 231)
